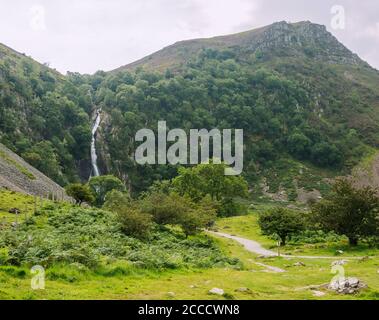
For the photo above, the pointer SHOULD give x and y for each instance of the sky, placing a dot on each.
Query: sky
(89, 35)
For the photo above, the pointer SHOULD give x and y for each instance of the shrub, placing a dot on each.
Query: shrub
(134, 222)
(282, 223)
(100, 186)
(81, 193)
(179, 210)
(349, 211)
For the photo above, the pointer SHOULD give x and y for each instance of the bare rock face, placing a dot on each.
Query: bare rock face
(347, 285)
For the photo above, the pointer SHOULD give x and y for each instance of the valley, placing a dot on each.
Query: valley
(298, 223)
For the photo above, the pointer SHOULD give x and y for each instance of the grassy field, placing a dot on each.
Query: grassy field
(117, 279)
(247, 227)
(122, 282)
(13, 200)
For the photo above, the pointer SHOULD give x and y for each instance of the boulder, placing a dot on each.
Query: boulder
(217, 291)
(347, 285)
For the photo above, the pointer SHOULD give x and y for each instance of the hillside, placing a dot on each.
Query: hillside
(307, 104)
(298, 36)
(19, 176)
(43, 117)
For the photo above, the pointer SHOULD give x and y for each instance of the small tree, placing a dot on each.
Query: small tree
(348, 211)
(81, 193)
(100, 186)
(282, 223)
(116, 199)
(198, 217)
(134, 222)
(179, 210)
(210, 180)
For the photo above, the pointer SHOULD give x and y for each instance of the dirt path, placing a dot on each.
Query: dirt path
(256, 247)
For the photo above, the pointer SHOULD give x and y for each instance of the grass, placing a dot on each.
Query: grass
(24, 203)
(247, 226)
(120, 279)
(64, 282)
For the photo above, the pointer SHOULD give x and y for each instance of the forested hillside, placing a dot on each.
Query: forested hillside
(43, 117)
(308, 107)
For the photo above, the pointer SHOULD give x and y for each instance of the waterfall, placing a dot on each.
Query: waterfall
(95, 168)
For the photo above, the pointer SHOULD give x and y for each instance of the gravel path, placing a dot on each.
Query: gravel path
(256, 247)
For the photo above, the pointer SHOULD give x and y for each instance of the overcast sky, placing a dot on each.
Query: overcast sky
(90, 35)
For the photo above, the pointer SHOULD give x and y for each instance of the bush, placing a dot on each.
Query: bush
(4, 256)
(88, 237)
(100, 187)
(134, 222)
(282, 223)
(81, 193)
(179, 210)
(349, 211)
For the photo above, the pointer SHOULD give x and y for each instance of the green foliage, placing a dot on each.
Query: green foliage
(38, 106)
(349, 211)
(179, 210)
(210, 180)
(89, 237)
(134, 222)
(100, 186)
(282, 223)
(274, 96)
(81, 193)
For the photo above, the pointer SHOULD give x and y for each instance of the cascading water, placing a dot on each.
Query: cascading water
(95, 168)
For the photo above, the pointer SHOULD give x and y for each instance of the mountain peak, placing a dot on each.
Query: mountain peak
(280, 38)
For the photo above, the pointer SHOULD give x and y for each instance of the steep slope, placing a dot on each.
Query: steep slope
(308, 105)
(19, 176)
(294, 38)
(43, 117)
(309, 108)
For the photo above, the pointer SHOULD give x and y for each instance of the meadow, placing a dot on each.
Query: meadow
(195, 265)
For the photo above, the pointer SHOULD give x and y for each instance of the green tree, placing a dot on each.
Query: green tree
(282, 223)
(179, 210)
(349, 211)
(100, 186)
(116, 199)
(134, 222)
(210, 179)
(81, 193)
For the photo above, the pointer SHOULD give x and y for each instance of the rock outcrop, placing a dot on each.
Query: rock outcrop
(347, 285)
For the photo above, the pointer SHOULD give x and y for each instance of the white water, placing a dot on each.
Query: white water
(95, 168)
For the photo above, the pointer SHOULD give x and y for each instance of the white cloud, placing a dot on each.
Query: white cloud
(372, 31)
(86, 35)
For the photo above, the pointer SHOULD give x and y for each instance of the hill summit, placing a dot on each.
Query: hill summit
(291, 39)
